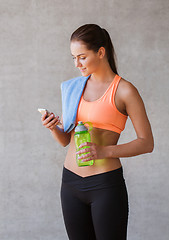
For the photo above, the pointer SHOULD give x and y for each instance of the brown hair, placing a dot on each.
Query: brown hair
(95, 37)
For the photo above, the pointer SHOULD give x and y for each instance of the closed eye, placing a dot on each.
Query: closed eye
(80, 58)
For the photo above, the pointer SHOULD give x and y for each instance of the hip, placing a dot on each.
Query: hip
(98, 181)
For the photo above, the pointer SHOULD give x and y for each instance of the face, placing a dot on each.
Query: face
(87, 61)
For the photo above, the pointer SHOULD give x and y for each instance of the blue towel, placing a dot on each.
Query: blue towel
(71, 93)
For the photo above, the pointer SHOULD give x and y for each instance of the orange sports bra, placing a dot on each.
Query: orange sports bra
(102, 113)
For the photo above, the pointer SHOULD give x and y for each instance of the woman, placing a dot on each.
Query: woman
(94, 198)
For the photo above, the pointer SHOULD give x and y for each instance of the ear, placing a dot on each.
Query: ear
(101, 52)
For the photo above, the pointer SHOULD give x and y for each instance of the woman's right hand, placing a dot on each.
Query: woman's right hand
(51, 121)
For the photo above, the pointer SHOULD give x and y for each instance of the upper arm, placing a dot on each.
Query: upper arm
(136, 110)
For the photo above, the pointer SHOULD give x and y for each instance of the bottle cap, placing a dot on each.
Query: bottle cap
(80, 127)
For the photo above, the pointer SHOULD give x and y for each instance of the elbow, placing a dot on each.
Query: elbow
(66, 140)
(150, 147)
(65, 145)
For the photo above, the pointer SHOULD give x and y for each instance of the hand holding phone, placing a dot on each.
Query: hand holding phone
(48, 119)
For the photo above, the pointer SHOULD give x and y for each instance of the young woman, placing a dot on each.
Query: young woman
(94, 198)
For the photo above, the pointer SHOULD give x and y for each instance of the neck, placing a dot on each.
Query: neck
(103, 74)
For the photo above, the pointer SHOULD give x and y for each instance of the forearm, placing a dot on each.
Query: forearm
(133, 148)
(60, 136)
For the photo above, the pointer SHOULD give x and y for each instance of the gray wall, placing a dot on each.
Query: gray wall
(34, 59)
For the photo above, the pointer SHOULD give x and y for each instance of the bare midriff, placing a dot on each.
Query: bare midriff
(101, 137)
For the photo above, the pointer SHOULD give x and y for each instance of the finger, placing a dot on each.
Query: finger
(88, 159)
(52, 122)
(44, 116)
(85, 150)
(48, 119)
(52, 115)
(57, 117)
(54, 125)
(84, 156)
(85, 144)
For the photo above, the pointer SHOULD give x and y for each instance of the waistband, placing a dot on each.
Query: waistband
(93, 182)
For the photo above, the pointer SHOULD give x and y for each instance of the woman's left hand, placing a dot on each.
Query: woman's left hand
(93, 152)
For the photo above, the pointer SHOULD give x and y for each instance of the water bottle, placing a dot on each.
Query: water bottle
(82, 135)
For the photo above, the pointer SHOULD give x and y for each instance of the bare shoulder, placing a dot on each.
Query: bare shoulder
(126, 90)
(128, 97)
(131, 99)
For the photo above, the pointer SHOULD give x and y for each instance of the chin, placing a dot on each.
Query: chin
(85, 74)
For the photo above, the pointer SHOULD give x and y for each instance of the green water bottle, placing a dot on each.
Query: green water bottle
(82, 135)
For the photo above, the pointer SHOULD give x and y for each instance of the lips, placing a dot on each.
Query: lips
(82, 69)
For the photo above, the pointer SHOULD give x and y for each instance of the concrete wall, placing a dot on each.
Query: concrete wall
(34, 59)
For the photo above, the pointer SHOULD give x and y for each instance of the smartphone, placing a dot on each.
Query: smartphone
(43, 110)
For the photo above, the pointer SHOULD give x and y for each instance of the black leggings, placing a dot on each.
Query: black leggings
(95, 207)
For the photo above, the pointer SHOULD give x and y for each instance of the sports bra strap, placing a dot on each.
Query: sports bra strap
(114, 89)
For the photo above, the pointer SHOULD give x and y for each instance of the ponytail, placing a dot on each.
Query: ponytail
(110, 51)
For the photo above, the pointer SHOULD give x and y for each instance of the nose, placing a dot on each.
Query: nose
(77, 63)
